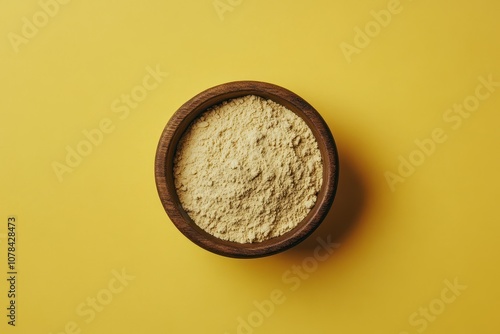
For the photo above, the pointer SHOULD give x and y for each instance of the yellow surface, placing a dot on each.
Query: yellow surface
(380, 93)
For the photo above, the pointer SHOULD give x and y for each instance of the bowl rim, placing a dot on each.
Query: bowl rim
(190, 110)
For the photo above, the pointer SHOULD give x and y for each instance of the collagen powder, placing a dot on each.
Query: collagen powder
(248, 170)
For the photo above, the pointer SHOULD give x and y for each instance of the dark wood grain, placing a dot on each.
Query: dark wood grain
(210, 97)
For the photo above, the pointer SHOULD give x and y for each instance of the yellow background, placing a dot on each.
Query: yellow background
(397, 248)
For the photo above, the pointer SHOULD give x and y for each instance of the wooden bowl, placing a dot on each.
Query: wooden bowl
(213, 96)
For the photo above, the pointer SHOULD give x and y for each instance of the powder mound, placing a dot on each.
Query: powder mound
(248, 170)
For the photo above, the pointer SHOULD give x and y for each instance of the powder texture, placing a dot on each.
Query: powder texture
(248, 170)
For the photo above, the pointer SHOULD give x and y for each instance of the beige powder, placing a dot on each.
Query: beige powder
(248, 170)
